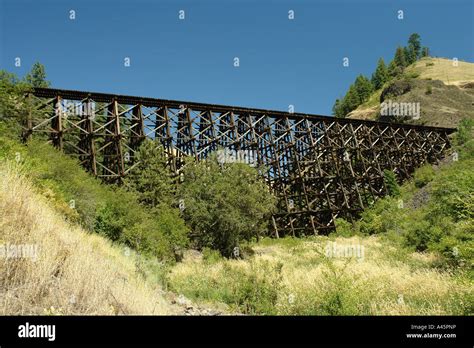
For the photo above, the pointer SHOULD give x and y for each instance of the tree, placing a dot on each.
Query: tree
(363, 88)
(410, 55)
(37, 76)
(414, 44)
(380, 76)
(224, 204)
(425, 52)
(351, 100)
(337, 108)
(151, 177)
(400, 59)
(394, 70)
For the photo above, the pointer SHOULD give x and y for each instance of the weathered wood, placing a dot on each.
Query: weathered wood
(319, 168)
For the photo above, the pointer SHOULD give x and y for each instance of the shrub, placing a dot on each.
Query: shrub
(395, 89)
(464, 133)
(163, 236)
(421, 233)
(224, 204)
(391, 183)
(381, 217)
(343, 228)
(424, 175)
(210, 255)
(429, 90)
(254, 291)
(457, 246)
(453, 192)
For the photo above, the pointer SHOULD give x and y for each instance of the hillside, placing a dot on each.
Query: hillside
(445, 93)
(71, 272)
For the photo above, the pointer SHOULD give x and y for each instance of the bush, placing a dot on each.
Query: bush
(254, 291)
(424, 175)
(457, 247)
(464, 133)
(391, 183)
(453, 192)
(382, 217)
(163, 236)
(395, 89)
(224, 205)
(343, 228)
(210, 255)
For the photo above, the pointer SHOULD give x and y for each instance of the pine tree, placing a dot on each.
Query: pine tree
(425, 52)
(381, 75)
(415, 44)
(351, 100)
(400, 59)
(394, 70)
(37, 76)
(410, 55)
(363, 88)
(337, 108)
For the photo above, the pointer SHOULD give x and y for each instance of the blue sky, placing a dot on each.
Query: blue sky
(282, 61)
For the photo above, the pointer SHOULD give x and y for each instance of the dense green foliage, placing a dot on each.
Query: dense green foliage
(224, 204)
(37, 76)
(391, 183)
(151, 177)
(380, 76)
(434, 212)
(360, 91)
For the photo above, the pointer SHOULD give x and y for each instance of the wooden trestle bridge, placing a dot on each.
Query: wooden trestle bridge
(319, 167)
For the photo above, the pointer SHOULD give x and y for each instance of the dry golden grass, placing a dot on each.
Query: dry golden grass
(383, 282)
(74, 273)
(446, 105)
(444, 69)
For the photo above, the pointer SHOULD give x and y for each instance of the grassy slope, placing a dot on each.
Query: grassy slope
(449, 101)
(387, 281)
(443, 70)
(75, 273)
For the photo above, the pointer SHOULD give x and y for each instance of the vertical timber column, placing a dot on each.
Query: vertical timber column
(28, 125)
(137, 129)
(56, 124)
(168, 143)
(87, 143)
(191, 139)
(118, 140)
